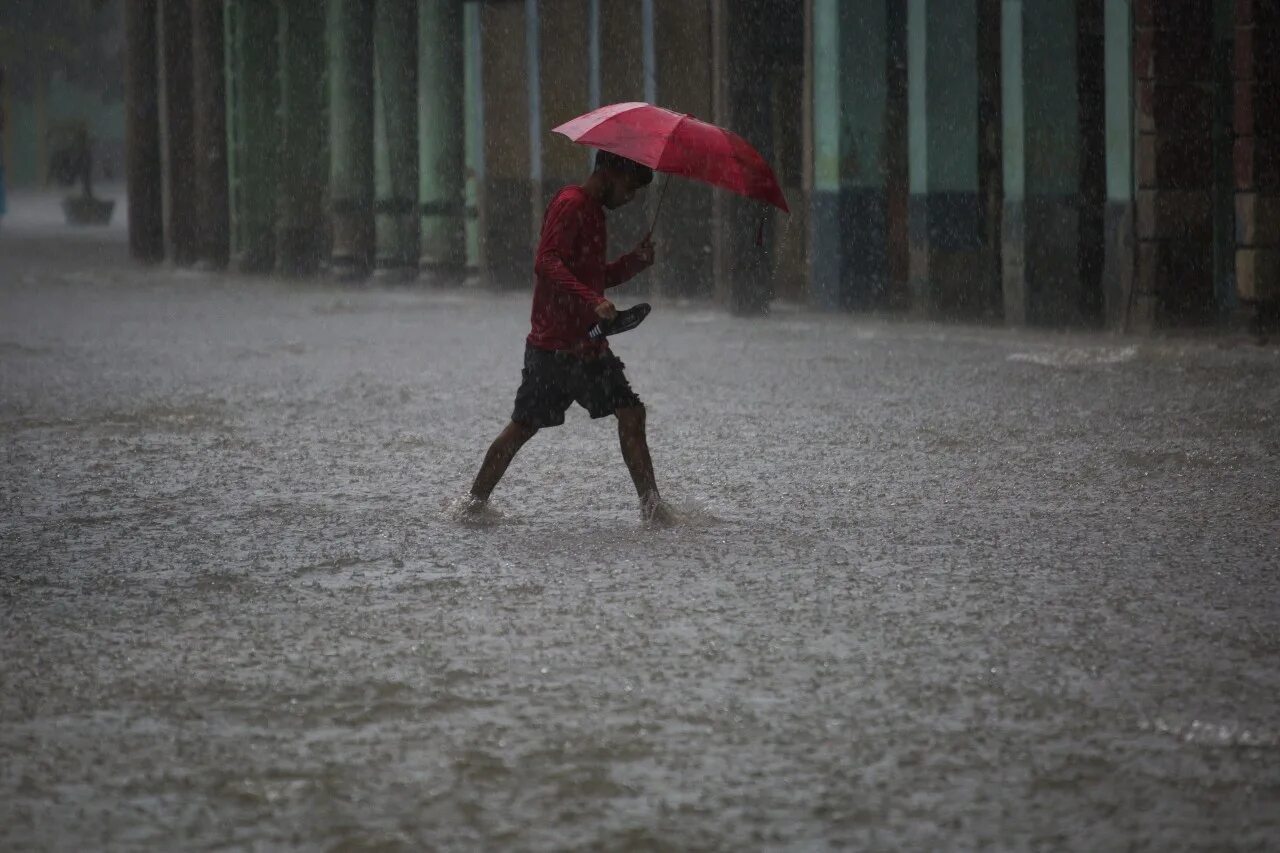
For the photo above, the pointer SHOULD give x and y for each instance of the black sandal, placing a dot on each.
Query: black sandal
(624, 322)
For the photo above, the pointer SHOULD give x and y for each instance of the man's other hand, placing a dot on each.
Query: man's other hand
(644, 253)
(606, 311)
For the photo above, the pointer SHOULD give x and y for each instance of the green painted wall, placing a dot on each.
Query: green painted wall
(1040, 100)
(24, 153)
(1052, 101)
(863, 91)
(28, 120)
(942, 95)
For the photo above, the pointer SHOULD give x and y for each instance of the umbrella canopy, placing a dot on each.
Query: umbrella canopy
(678, 144)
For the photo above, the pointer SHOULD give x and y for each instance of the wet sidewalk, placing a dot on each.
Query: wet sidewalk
(932, 586)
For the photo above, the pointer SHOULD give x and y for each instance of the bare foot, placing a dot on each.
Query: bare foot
(656, 513)
(470, 509)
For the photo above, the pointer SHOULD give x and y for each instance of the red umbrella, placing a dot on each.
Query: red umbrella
(678, 144)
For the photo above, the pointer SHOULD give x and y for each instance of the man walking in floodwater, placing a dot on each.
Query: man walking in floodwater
(561, 364)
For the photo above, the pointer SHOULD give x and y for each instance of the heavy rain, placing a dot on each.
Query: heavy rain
(969, 462)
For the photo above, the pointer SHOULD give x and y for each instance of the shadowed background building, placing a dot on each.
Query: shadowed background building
(1045, 162)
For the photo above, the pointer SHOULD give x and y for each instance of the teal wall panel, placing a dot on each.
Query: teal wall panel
(863, 88)
(1119, 100)
(1012, 107)
(942, 95)
(1051, 99)
(952, 95)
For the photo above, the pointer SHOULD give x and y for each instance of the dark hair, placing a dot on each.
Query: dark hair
(641, 174)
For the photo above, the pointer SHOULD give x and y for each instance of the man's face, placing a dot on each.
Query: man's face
(620, 190)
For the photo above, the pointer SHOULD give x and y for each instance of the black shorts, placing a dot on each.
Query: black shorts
(551, 381)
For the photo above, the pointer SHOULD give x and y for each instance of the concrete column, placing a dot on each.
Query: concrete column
(622, 78)
(301, 223)
(721, 260)
(1117, 275)
(441, 138)
(948, 266)
(748, 82)
(1257, 158)
(142, 132)
(351, 97)
(564, 82)
(648, 50)
(761, 65)
(533, 91)
(1173, 69)
(1091, 89)
(897, 173)
(209, 94)
(684, 83)
(622, 64)
(253, 131)
(475, 135)
(1228, 307)
(178, 132)
(396, 137)
(848, 212)
(506, 191)
(1052, 230)
(593, 54)
(984, 299)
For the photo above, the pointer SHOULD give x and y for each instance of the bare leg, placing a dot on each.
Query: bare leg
(501, 452)
(635, 452)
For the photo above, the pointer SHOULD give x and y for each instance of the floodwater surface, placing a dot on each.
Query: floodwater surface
(931, 586)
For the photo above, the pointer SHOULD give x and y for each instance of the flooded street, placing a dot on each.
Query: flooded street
(932, 586)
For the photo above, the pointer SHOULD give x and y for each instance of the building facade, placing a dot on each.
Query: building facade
(1104, 163)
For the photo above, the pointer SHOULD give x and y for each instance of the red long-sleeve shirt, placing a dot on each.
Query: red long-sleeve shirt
(571, 274)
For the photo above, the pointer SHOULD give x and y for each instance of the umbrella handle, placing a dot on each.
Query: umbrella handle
(666, 179)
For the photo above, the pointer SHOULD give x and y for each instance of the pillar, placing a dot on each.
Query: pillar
(142, 131)
(253, 131)
(1052, 138)
(396, 137)
(1227, 306)
(507, 204)
(748, 288)
(623, 78)
(1173, 70)
(209, 95)
(593, 55)
(1117, 276)
(949, 270)
(301, 228)
(1092, 186)
(178, 132)
(351, 92)
(473, 84)
(760, 68)
(848, 208)
(896, 166)
(564, 82)
(984, 299)
(1257, 158)
(683, 79)
(535, 125)
(442, 125)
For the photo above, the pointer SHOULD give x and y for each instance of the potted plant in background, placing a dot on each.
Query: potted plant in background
(70, 42)
(71, 163)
